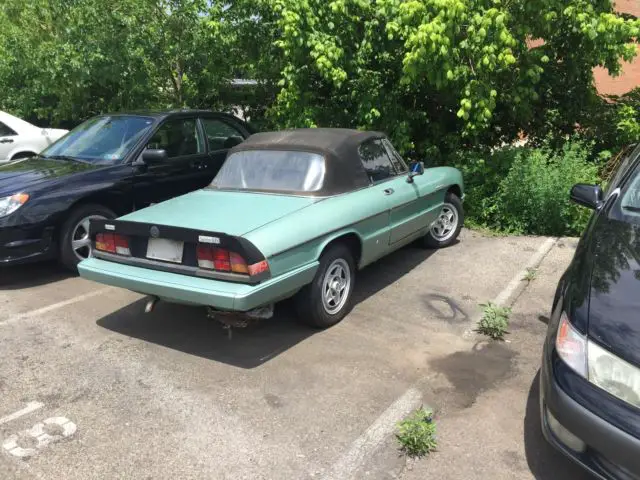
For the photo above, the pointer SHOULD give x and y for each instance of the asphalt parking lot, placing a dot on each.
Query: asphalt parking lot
(91, 387)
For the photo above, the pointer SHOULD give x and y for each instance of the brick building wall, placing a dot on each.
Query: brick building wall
(630, 76)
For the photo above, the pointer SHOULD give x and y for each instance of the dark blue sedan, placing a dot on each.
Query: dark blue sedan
(590, 376)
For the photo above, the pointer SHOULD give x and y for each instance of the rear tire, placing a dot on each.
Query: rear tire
(328, 298)
(446, 228)
(75, 244)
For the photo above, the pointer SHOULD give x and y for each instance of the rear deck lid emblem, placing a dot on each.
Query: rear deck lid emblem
(154, 232)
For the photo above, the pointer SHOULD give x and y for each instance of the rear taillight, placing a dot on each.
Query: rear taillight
(238, 263)
(122, 245)
(205, 257)
(113, 243)
(222, 260)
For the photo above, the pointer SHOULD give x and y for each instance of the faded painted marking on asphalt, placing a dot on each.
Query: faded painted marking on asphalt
(44, 439)
(370, 440)
(55, 306)
(31, 407)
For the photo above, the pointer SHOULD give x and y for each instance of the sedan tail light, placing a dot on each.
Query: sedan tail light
(113, 243)
(222, 260)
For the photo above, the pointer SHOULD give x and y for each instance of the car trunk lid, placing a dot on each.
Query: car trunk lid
(232, 212)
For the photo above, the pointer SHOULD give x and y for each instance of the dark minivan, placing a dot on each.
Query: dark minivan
(108, 166)
(590, 375)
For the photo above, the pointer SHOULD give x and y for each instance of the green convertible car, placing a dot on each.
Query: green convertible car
(290, 213)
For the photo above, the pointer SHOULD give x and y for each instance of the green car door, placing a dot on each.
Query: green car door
(413, 206)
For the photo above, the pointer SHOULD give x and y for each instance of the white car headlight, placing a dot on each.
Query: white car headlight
(619, 378)
(10, 204)
(599, 366)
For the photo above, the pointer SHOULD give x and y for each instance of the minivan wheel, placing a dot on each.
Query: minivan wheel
(328, 298)
(75, 243)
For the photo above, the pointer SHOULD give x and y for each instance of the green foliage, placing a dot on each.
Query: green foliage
(495, 320)
(530, 275)
(525, 190)
(65, 60)
(438, 75)
(417, 434)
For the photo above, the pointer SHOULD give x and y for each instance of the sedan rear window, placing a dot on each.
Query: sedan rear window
(272, 170)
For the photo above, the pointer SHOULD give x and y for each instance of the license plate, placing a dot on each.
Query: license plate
(165, 250)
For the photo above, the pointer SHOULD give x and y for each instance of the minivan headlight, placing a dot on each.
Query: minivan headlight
(10, 204)
(601, 367)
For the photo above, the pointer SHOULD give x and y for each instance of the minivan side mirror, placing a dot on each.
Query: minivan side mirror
(417, 168)
(589, 196)
(152, 156)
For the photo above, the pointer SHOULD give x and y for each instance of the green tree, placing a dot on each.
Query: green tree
(440, 74)
(68, 59)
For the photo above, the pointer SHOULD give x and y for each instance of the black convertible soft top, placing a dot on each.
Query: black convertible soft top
(339, 147)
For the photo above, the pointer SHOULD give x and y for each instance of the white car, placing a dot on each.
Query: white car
(20, 139)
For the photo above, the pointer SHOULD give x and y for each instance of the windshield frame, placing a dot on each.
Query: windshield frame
(628, 178)
(289, 192)
(130, 154)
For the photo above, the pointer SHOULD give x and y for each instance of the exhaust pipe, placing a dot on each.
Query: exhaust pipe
(151, 303)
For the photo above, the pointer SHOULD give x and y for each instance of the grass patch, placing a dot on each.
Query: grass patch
(530, 275)
(495, 320)
(417, 433)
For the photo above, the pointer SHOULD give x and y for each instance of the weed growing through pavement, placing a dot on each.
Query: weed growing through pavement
(531, 275)
(417, 433)
(494, 321)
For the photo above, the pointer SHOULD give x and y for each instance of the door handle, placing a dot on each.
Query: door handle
(388, 191)
(6, 140)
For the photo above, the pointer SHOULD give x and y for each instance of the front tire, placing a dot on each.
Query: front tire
(445, 230)
(328, 298)
(75, 243)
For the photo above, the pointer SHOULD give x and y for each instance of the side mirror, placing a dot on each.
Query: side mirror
(152, 156)
(417, 168)
(589, 196)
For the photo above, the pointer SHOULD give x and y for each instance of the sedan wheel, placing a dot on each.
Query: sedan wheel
(327, 299)
(75, 243)
(80, 240)
(446, 228)
(336, 286)
(446, 224)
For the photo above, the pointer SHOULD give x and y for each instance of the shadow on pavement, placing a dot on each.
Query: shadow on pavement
(31, 275)
(187, 329)
(544, 461)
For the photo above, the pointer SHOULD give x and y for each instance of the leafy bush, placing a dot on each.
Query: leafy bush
(525, 190)
(494, 321)
(417, 434)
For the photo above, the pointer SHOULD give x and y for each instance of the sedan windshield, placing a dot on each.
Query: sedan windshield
(105, 139)
(269, 170)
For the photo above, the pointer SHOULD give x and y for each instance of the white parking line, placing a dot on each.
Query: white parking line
(370, 440)
(55, 306)
(506, 295)
(31, 407)
(511, 292)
